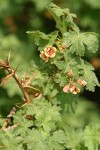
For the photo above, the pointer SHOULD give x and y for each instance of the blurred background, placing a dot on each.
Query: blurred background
(19, 16)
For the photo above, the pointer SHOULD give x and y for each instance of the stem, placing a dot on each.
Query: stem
(64, 24)
(26, 95)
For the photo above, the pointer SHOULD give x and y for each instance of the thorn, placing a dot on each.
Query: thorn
(16, 69)
(5, 79)
(30, 79)
(21, 105)
(17, 105)
(23, 99)
(8, 59)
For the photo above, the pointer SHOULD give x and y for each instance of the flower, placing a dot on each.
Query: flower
(71, 88)
(81, 82)
(74, 89)
(44, 57)
(66, 89)
(50, 51)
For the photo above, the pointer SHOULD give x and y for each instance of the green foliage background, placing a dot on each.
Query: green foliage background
(18, 16)
(51, 127)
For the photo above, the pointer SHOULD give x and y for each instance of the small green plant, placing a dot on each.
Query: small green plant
(50, 91)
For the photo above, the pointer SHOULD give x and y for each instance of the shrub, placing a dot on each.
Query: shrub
(51, 91)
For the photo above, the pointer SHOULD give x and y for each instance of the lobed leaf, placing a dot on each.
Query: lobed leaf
(89, 75)
(80, 42)
(41, 39)
(92, 136)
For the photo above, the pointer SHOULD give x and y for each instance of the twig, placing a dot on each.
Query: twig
(5, 64)
(8, 119)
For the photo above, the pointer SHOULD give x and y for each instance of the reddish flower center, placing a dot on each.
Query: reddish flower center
(49, 51)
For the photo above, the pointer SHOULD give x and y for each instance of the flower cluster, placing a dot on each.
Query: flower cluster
(49, 52)
(71, 87)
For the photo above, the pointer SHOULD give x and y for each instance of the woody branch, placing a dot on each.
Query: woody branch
(6, 65)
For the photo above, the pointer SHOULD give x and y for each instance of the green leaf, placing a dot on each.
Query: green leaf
(61, 79)
(90, 39)
(73, 137)
(89, 75)
(23, 122)
(63, 18)
(67, 102)
(57, 140)
(92, 136)
(9, 140)
(42, 40)
(48, 117)
(57, 10)
(79, 42)
(52, 37)
(35, 141)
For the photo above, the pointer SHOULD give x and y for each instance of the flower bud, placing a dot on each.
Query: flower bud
(37, 95)
(70, 73)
